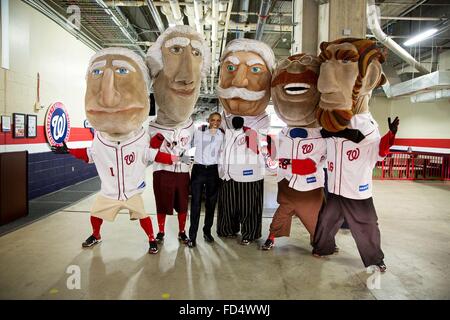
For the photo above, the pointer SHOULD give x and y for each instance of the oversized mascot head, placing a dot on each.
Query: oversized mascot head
(117, 91)
(350, 70)
(246, 67)
(294, 90)
(178, 61)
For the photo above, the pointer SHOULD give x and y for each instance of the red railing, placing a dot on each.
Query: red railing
(413, 166)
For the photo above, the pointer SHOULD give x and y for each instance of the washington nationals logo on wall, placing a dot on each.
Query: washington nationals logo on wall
(57, 124)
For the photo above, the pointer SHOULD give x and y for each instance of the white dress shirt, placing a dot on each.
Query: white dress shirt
(207, 146)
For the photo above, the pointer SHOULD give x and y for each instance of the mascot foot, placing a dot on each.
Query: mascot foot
(91, 241)
(183, 237)
(160, 237)
(153, 249)
(381, 266)
(269, 244)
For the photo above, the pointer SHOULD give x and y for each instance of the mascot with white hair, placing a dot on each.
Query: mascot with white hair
(117, 104)
(178, 61)
(244, 92)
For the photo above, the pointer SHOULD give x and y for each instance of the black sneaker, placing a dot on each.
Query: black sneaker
(245, 242)
(191, 243)
(381, 266)
(208, 238)
(91, 241)
(160, 237)
(269, 244)
(183, 237)
(153, 249)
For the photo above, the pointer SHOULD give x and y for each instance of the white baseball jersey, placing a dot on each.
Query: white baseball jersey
(238, 162)
(121, 165)
(259, 123)
(349, 164)
(177, 141)
(312, 146)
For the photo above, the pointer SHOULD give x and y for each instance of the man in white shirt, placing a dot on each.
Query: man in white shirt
(244, 92)
(178, 61)
(205, 176)
(350, 70)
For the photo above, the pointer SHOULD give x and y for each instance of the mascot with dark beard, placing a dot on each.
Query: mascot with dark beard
(350, 71)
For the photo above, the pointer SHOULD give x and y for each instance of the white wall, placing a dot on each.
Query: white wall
(37, 44)
(417, 120)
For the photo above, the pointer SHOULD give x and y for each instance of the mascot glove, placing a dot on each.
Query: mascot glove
(156, 141)
(251, 138)
(303, 166)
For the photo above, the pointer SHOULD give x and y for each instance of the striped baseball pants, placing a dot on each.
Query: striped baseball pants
(240, 209)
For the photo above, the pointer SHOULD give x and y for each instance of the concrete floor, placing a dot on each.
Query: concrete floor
(36, 261)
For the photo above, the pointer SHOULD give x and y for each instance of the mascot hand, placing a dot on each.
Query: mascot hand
(393, 126)
(156, 141)
(251, 138)
(60, 150)
(303, 166)
(185, 159)
(174, 158)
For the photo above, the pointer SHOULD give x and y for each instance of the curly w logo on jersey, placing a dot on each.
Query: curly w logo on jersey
(307, 148)
(353, 154)
(129, 158)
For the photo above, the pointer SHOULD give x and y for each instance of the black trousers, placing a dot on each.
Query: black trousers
(240, 208)
(203, 177)
(362, 220)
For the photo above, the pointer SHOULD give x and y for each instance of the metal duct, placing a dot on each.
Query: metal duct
(262, 18)
(374, 26)
(431, 96)
(437, 80)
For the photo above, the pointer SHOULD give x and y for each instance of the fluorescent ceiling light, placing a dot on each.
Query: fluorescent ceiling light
(421, 36)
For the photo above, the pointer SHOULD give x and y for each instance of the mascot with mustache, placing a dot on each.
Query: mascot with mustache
(350, 70)
(301, 150)
(117, 104)
(178, 60)
(244, 92)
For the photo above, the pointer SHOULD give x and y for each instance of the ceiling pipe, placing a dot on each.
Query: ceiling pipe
(214, 27)
(413, 18)
(223, 6)
(252, 27)
(189, 12)
(198, 14)
(374, 25)
(262, 18)
(155, 14)
(404, 13)
(116, 3)
(227, 23)
(176, 12)
(243, 15)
